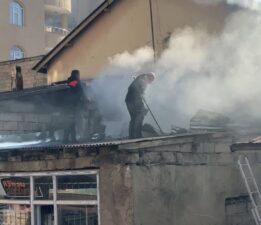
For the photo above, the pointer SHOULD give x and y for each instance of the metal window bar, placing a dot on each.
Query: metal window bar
(32, 199)
(55, 200)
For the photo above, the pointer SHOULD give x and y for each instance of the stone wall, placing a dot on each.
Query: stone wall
(31, 78)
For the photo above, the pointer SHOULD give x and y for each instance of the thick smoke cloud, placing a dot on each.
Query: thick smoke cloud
(219, 73)
(249, 4)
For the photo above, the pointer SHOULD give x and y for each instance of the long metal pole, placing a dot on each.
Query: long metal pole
(145, 102)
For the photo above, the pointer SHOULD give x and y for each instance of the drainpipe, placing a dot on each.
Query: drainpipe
(152, 30)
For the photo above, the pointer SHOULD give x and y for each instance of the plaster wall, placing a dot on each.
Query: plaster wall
(127, 26)
(30, 37)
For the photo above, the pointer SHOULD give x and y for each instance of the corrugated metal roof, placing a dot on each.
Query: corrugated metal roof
(254, 144)
(59, 146)
(256, 140)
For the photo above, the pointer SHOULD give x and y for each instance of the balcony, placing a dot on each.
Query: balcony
(58, 6)
(56, 30)
(53, 35)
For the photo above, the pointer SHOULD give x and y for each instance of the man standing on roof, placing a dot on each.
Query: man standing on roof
(73, 102)
(19, 79)
(135, 103)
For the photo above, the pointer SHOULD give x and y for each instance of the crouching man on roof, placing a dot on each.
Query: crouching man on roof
(135, 103)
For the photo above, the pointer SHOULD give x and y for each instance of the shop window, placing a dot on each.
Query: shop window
(80, 215)
(238, 211)
(77, 187)
(15, 214)
(58, 198)
(16, 14)
(43, 188)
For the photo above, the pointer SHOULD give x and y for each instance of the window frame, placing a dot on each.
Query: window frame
(16, 13)
(54, 202)
(16, 52)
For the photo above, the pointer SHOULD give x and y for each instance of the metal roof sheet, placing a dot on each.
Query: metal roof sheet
(60, 146)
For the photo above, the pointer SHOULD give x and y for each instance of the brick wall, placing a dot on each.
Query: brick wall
(31, 78)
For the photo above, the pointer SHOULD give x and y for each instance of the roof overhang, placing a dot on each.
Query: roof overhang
(245, 147)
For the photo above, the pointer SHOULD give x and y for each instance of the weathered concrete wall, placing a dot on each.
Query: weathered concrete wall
(31, 78)
(184, 185)
(179, 180)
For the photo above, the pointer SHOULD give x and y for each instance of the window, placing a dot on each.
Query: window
(238, 210)
(16, 14)
(16, 53)
(57, 198)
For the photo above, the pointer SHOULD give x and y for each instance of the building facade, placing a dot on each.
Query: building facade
(32, 28)
(179, 180)
(117, 26)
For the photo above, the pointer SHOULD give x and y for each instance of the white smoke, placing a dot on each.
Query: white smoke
(249, 4)
(197, 71)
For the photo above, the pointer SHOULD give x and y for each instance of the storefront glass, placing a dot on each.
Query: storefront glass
(77, 187)
(12, 214)
(43, 188)
(77, 215)
(51, 198)
(44, 215)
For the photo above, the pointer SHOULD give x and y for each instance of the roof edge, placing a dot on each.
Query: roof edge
(245, 147)
(8, 62)
(49, 146)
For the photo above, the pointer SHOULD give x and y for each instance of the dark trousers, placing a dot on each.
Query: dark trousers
(70, 128)
(137, 116)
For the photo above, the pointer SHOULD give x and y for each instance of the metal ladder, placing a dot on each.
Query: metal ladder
(252, 188)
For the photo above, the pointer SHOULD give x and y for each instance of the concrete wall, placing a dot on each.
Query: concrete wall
(180, 180)
(126, 26)
(31, 77)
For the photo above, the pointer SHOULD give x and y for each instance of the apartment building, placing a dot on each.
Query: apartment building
(30, 28)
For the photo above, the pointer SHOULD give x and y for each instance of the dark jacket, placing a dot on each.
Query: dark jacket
(75, 93)
(135, 93)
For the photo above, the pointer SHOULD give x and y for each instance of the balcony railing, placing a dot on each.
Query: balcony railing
(59, 5)
(57, 30)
